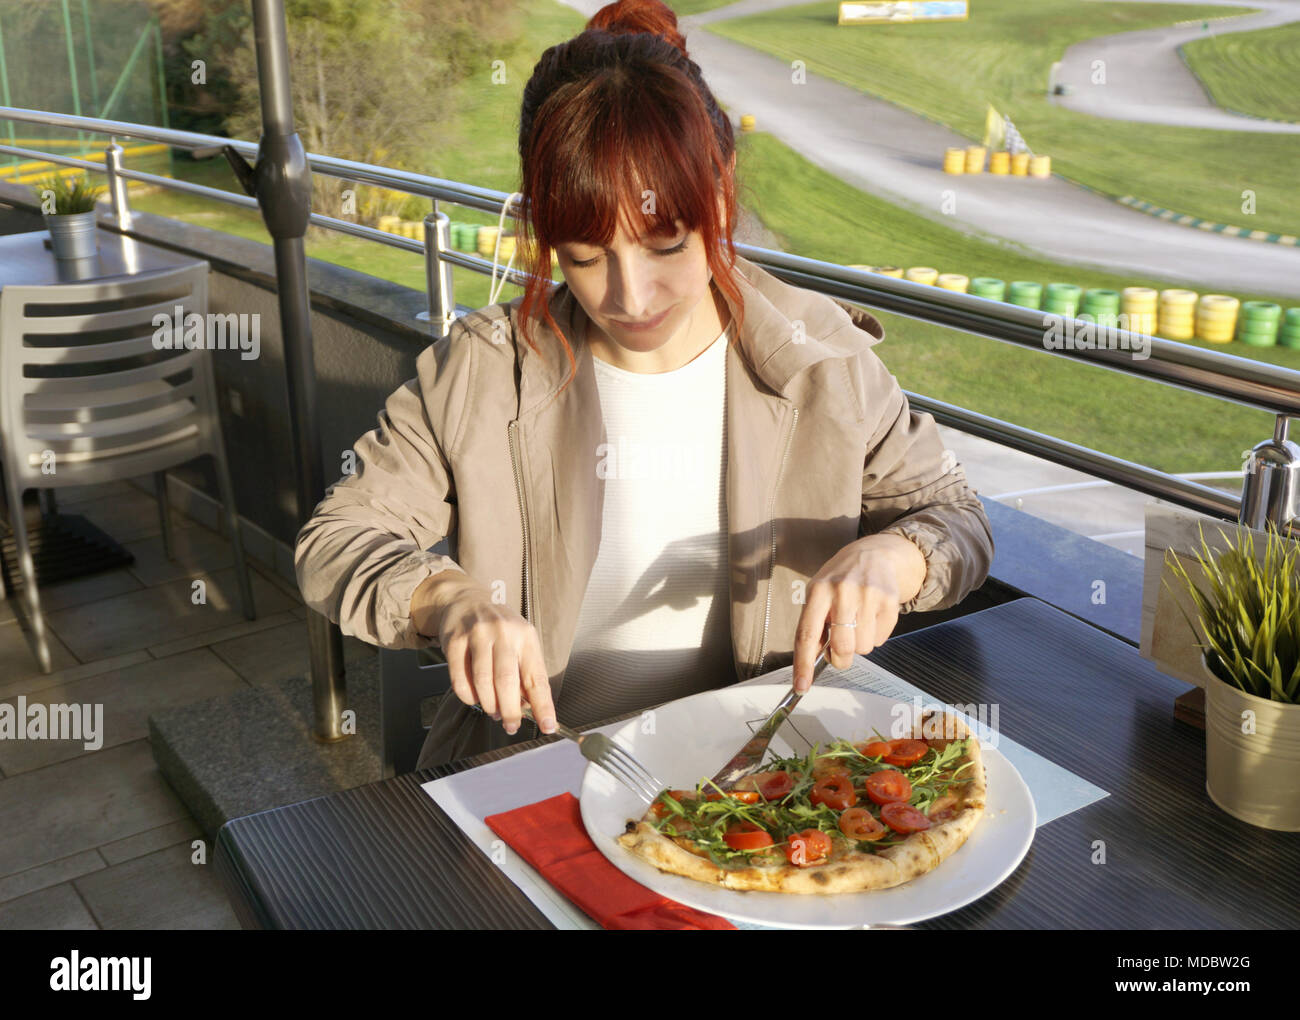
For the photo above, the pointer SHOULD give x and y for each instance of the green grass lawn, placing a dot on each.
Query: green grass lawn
(951, 71)
(818, 215)
(1251, 72)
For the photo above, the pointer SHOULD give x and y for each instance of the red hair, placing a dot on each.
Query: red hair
(613, 113)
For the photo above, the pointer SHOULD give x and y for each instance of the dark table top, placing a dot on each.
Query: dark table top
(27, 258)
(1155, 854)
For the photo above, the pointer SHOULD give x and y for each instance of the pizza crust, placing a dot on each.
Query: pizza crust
(848, 870)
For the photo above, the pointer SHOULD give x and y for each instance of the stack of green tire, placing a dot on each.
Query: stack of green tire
(1026, 294)
(1289, 336)
(988, 287)
(1102, 306)
(1258, 322)
(1062, 299)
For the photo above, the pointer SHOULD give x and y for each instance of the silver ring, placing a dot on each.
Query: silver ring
(853, 624)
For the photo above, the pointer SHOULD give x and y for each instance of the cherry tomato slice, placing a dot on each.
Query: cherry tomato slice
(874, 749)
(662, 810)
(747, 836)
(906, 752)
(903, 818)
(835, 791)
(744, 796)
(807, 847)
(888, 787)
(859, 823)
(775, 785)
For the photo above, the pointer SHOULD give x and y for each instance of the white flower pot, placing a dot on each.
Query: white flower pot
(1252, 756)
(72, 235)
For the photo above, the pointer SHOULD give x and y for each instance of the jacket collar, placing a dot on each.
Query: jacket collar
(786, 330)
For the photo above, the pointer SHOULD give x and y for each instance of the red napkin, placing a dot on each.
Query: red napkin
(550, 836)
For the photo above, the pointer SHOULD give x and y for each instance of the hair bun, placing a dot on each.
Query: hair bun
(653, 16)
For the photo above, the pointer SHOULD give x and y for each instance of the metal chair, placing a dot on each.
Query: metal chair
(406, 678)
(87, 397)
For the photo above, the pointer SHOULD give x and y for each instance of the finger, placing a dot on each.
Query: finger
(457, 653)
(481, 671)
(536, 687)
(845, 609)
(505, 680)
(809, 633)
(886, 620)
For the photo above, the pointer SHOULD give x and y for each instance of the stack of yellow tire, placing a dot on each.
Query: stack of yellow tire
(389, 224)
(1040, 166)
(954, 161)
(1290, 332)
(1138, 306)
(922, 274)
(1216, 318)
(999, 162)
(953, 281)
(1020, 164)
(893, 271)
(1177, 316)
(487, 240)
(1259, 323)
(747, 122)
(975, 159)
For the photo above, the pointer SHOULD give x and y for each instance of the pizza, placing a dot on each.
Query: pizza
(849, 817)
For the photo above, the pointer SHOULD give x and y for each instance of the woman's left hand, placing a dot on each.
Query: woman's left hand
(866, 582)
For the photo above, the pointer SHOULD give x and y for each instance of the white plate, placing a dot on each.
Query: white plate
(686, 740)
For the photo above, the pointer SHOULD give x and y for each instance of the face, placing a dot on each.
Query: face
(640, 292)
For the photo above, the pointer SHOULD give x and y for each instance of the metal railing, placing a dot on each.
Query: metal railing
(1211, 373)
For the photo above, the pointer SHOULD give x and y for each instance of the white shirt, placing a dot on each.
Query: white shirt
(655, 622)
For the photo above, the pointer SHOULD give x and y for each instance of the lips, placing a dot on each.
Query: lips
(645, 323)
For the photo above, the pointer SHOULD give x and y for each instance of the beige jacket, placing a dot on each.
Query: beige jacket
(822, 449)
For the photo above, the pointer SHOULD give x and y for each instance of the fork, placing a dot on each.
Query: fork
(600, 750)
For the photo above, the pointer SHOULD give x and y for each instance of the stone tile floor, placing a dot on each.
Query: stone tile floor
(96, 838)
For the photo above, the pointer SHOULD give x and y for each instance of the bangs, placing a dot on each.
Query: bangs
(635, 156)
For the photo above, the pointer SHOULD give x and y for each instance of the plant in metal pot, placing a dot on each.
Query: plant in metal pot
(68, 205)
(1248, 606)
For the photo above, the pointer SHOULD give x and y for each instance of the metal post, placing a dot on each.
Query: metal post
(117, 185)
(1270, 493)
(438, 274)
(281, 182)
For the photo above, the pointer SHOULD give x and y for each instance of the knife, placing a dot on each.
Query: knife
(748, 758)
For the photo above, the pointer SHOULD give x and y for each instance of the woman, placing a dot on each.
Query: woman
(668, 474)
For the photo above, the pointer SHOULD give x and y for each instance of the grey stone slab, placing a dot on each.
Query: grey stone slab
(129, 515)
(155, 615)
(18, 652)
(47, 875)
(104, 492)
(254, 750)
(81, 804)
(123, 699)
(56, 909)
(40, 681)
(209, 637)
(195, 551)
(162, 890)
(147, 842)
(87, 589)
(279, 653)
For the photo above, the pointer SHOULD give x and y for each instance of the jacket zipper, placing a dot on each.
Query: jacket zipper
(523, 513)
(771, 569)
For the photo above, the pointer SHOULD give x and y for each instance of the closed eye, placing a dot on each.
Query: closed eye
(662, 252)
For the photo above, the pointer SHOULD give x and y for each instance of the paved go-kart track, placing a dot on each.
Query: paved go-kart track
(1146, 79)
(890, 152)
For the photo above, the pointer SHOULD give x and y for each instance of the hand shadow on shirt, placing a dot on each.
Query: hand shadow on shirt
(655, 588)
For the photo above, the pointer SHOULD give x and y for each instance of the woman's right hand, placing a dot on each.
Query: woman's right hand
(493, 654)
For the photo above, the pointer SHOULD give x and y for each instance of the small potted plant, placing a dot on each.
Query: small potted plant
(69, 209)
(1249, 614)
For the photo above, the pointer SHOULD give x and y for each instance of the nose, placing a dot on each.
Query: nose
(632, 286)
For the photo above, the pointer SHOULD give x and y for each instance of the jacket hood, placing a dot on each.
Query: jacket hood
(777, 344)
